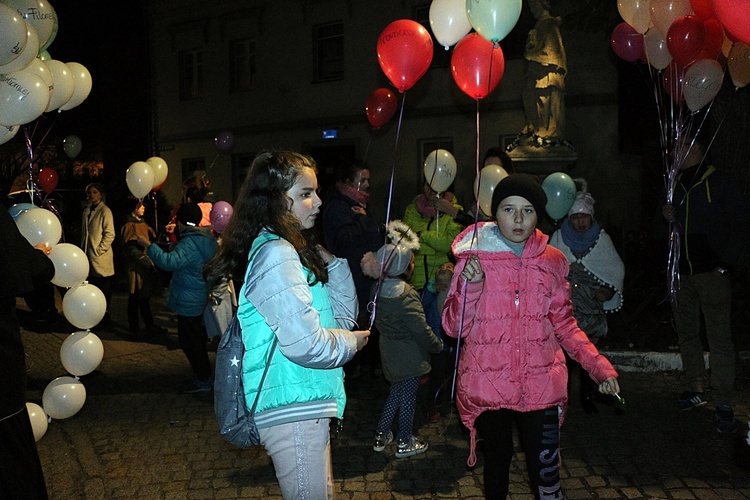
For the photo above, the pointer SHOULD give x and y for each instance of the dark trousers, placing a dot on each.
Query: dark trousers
(135, 304)
(21, 471)
(192, 338)
(105, 285)
(539, 433)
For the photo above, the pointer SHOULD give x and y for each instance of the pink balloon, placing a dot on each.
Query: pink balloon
(221, 212)
(224, 141)
(627, 42)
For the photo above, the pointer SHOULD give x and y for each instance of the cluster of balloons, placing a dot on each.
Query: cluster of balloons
(405, 48)
(81, 353)
(143, 176)
(687, 39)
(31, 82)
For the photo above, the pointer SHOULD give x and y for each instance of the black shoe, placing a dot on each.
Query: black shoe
(691, 399)
(156, 330)
(724, 421)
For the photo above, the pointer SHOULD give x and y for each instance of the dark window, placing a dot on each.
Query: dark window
(242, 64)
(240, 165)
(191, 74)
(329, 52)
(192, 166)
(441, 58)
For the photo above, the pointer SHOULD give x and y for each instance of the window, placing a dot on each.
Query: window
(329, 52)
(441, 58)
(240, 165)
(241, 64)
(191, 74)
(192, 166)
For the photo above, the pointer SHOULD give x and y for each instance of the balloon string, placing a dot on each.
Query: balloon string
(30, 185)
(477, 171)
(372, 306)
(367, 151)
(156, 212)
(213, 162)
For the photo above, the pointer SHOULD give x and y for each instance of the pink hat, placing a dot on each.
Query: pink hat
(584, 204)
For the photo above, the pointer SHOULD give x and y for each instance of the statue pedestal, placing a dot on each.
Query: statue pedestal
(537, 160)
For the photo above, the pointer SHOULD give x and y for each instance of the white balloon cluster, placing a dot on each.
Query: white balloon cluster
(31, 82)
(143, 176)
(84, 307)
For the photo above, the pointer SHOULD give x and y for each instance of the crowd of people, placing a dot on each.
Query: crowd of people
(484, 311)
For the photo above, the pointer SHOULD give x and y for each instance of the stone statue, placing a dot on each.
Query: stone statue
(544, 90)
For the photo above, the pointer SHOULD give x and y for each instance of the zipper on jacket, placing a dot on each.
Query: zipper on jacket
(517, 299)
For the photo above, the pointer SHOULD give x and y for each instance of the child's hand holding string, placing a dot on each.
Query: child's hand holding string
(473, 270)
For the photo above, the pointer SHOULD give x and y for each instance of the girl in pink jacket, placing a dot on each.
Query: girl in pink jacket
(509, 302)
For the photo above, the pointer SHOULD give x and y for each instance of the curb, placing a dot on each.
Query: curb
(649, 362)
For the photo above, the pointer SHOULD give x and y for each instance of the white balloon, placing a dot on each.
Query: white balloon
(448, 21)
(140, 178)
(13, 34)
(82, 87)
(484, 186)
(38, 67)
(655, 46)
(39, 225)
(440, 169)
(38, 420)
(71, 265)
(27, 55)
(39, 14)
(81, 353)
(63, 84)
(23, 97)
(84, 306)
(8, 133)
(63, 397)
(159, 166)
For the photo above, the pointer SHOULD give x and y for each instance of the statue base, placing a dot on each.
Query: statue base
(541, 156)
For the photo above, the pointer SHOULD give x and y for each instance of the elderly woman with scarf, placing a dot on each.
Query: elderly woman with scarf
(596, 276)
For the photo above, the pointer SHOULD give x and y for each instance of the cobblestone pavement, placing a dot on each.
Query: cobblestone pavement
(137, 436)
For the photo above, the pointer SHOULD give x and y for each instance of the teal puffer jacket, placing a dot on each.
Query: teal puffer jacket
(305, 379)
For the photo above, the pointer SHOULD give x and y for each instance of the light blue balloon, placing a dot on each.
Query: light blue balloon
(561, 194)
(19, 208)
(493, 19)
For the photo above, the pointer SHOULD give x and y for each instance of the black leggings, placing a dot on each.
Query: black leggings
(539, 434)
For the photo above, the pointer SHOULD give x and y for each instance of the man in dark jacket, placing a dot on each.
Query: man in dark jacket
(21, 472)
(713, 220)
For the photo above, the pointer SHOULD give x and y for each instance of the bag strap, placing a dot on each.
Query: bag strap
(253, 252)
(263, 378)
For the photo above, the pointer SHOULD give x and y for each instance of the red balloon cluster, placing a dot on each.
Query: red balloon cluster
(691, 34)
(380, 107)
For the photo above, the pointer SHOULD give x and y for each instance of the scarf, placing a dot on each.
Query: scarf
(360, 197)
(424, 208)
(579, 243)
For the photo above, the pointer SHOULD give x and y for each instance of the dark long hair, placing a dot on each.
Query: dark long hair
(263, 203)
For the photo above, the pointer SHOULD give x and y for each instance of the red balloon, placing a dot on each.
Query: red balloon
(477, 65)
(627, 42)
(734, 15)
(672, 80)
(703, 9)
(713, 40)
(404, 52)
(48, 179)
(685, 39)
(380, 107)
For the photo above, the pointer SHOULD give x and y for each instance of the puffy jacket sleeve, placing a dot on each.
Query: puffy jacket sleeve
(455, 307)
(415, 322)
(178, 258)
(342, 292)
(571, 337)
(276, 285)
(440, 236)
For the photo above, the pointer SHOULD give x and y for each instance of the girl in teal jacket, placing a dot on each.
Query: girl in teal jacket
(300, 295)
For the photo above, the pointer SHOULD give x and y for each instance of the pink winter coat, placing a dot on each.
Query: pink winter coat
(514, 325)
